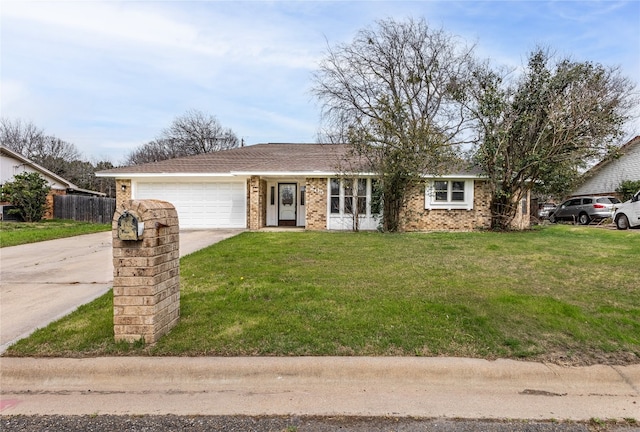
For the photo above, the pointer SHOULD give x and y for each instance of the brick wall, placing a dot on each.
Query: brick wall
(263, 203)
(256, 203)
(146, 282)
(416, 218)
(49, 208)
(316, 204)
(122, 195)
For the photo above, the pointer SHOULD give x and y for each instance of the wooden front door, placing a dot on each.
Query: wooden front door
(287, 204)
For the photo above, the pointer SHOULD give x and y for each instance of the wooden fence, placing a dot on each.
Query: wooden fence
(84, 208)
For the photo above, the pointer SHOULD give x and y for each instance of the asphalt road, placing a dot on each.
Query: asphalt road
(291, 424)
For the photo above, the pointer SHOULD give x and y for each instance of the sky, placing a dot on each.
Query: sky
(109, 76)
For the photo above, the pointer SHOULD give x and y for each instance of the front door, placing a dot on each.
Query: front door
(287, 204)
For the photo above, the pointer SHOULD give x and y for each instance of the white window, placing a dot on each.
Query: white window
(449, 194)
(353, 196)
(355, 190)
(335, 196)
(343, 194)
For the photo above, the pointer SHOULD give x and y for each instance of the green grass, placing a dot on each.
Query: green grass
(564, 294)
(17, 233)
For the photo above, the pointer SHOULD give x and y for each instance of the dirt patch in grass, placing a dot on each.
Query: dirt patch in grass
(588, 358)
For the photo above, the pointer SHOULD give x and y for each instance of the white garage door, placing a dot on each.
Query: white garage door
(201, 205)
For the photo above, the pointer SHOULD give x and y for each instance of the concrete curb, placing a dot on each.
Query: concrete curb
(351, 386)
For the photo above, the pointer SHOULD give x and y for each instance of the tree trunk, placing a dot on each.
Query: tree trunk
(503, 211)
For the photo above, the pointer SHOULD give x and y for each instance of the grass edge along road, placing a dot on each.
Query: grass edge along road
(18, 233)
(562, 294)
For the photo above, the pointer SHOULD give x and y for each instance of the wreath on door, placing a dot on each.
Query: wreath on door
(287, 196)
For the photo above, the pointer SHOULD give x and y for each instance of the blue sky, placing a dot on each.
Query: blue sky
(110, 75)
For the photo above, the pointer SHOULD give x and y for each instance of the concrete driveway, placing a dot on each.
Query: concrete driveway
(41, 282)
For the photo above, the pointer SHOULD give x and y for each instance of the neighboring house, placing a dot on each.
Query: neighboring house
(605, 177)
(12, 163)
(269, 185)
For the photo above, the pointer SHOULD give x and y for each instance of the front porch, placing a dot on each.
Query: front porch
(277, 202)
(312, 203)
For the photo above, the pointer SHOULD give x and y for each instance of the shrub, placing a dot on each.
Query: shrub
(28, 193)
(627, 188)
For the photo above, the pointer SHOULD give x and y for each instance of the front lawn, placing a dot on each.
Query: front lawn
(564, 294)
(17, 233)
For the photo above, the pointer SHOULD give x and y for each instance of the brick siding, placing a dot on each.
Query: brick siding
(257, 203)
(49, 207)
(146, 279)
(416, 218)
(122, 195)
(316, 204)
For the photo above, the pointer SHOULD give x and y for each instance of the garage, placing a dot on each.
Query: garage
(201, 204)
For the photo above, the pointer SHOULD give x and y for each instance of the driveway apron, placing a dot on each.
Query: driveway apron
(41, 282)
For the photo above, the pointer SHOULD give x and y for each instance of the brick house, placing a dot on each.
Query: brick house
(12, 163)
(270, 185)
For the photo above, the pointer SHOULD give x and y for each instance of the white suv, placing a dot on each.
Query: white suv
(627, 214)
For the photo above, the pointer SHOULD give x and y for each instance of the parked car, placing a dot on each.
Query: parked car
(627, 214)
(545, 209)
(585, 209)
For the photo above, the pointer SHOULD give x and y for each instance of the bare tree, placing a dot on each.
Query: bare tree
(199, 133)
(153, 151)
(190, 134)
(105, 185)
(56, 155)
(543, 127)
(20, 136)
(391, 95)
(31, 142)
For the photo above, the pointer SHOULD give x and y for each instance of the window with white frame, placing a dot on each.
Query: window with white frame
(335, 195)
(361, 195)
(350, 194)
(449, 194)
(347, 186)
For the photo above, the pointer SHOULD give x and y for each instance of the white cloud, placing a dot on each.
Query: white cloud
(584, 11)
(107, 21)
(109, 75)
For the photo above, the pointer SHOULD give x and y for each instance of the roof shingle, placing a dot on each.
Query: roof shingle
(259, 159)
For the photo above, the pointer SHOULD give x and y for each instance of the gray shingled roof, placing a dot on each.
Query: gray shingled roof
(256, 159)
(259, 158)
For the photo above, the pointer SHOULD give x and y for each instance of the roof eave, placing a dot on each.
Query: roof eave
(296, 173)
(160, 174)
(273, 174)
(26, 161)
(87, 191)
(455, 176)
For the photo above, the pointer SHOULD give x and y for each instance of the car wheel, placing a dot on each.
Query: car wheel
(584, 219)
(622, 223)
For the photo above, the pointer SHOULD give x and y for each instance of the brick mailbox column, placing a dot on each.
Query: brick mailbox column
(146, 275)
